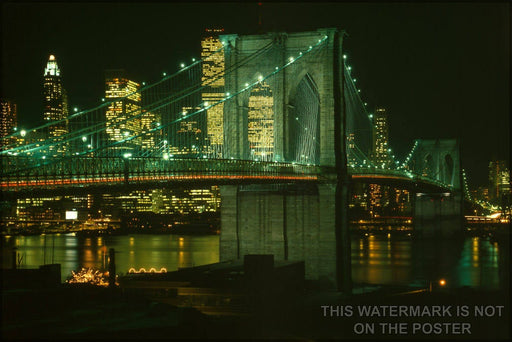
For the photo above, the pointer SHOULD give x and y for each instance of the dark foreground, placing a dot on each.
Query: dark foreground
(87, 312)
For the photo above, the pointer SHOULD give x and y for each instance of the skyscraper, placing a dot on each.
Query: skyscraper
(499, 180)
(55, 105)
(260, 119)
(125, 116)
(213, 69)
(380, 139)
(8, 118)
(126, 103)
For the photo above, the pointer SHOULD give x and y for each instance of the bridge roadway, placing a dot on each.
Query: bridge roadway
(82, 173)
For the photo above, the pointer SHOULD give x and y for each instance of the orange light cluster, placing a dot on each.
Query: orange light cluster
(151, 270)
(89, 276)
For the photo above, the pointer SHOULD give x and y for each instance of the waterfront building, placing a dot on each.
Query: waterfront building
(42, 210)
(213, 69)
(55, 105)
(160, 201)
(186, 201)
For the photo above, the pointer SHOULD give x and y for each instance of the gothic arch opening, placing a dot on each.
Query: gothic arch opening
(304, 124)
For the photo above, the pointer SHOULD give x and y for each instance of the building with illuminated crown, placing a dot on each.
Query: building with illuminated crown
(213, 68)
(55, 105)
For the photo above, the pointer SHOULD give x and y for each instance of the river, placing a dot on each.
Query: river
(394, 259)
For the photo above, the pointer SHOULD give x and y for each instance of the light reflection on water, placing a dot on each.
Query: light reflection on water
(379, 259)
(137, 251)
(376, 259)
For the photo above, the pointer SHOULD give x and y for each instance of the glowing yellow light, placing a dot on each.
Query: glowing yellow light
(442, 282)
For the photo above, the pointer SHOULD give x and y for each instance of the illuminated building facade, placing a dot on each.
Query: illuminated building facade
(162, 201)
(55, 104)
(149, 121)
(49, 208)
(36, 137)
(385, 200)
(126, 103)
(381, 157)
(481, 193)
(213, 68)
(8, 120)
(499, 180)
(260, 120)
(351, 157)
(187, 201)
(188, 138)
(376, 200)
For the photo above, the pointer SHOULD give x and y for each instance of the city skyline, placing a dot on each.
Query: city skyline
(490, 138)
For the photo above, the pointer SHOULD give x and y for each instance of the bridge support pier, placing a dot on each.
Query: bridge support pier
(438, 214)
(291, 222)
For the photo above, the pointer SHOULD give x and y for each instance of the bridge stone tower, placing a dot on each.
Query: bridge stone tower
(439, 213)
(316, 68)
(292, 222)
(439, 159)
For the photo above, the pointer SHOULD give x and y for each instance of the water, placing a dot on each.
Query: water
(376, 259)
(132, 251)
(402, 260)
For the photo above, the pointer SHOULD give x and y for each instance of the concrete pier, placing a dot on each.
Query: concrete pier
(438, 214)
(290, 222)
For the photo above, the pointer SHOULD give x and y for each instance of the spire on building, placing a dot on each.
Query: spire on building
(55, 109)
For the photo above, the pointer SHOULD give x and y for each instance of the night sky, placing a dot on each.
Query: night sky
(440, 69)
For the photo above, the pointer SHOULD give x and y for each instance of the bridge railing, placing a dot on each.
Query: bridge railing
(18, 172)
(82, 171)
